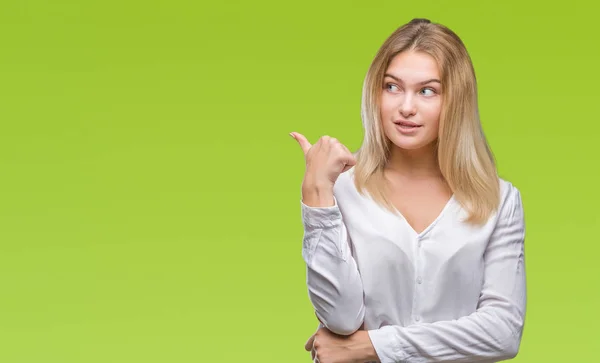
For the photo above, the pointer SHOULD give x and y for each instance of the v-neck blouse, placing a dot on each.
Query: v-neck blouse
(454, 292)
(421, 234)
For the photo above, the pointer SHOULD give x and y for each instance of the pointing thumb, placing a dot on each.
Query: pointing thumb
(304, 144)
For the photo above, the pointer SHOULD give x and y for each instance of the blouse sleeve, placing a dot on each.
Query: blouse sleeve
(334, 284)
(493, 332)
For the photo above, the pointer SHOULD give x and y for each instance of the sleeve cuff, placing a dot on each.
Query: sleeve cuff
(321, 217)
(386, 346)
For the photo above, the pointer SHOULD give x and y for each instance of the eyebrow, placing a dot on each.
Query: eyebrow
(424, 82)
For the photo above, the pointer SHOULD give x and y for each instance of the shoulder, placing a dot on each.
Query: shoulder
(511, 203)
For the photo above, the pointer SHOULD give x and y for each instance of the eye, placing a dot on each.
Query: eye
(388, 85)
(433, 92)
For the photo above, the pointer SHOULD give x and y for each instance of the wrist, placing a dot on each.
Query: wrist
(364, 347)
(313, 182)
(317, 194)
(318, 198)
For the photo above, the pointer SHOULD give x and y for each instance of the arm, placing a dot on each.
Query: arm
(334, 284)
(493, 332)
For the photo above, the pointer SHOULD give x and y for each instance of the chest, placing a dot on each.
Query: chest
(420, 205)
(448, 257)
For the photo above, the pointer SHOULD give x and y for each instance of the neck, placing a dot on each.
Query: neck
(418, 163)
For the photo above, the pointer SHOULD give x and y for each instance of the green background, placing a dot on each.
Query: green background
(150, 193)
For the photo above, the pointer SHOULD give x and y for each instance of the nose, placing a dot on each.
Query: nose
(407, 106)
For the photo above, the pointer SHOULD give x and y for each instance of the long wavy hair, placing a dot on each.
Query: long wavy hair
(464, 156)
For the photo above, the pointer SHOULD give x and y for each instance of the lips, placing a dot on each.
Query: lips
(406, 123)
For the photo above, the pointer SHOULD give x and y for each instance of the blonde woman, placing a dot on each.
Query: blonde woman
(414, 246)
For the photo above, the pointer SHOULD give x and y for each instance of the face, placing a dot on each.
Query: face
(411, 100)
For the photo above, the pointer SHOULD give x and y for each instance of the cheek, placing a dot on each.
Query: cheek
(385, 106)
(432, 113)
(432, 116)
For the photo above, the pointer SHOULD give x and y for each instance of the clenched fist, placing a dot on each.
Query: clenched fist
(325, 161)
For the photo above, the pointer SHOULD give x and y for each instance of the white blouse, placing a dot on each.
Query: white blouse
(452, 293)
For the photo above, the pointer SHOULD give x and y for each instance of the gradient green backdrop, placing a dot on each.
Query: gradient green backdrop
(149, 207)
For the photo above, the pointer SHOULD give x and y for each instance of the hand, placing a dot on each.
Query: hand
(327, 347)
(325, 160)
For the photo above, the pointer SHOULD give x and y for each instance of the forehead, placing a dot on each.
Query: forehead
(413, 66)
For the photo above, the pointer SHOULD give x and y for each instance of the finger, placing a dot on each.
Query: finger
(349, 159)
(349, 164)
(313, 351)
(304, 144)
(309, 343)
(326, 141)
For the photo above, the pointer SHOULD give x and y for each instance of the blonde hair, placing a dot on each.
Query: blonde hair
(464, 156)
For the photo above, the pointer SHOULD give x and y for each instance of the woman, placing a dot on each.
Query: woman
(414, 246)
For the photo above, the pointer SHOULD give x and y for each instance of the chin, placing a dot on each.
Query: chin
(407, 143)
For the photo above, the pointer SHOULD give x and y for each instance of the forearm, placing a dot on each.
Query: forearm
(335, 289)
(482, 337)
(334, 284)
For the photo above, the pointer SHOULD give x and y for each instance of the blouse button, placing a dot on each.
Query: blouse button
(419, 280)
